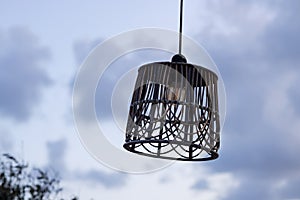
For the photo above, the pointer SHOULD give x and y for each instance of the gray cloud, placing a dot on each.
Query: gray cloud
(200, 185)
(259, 141)
(282, 37)
(294, 96)
(21, 72)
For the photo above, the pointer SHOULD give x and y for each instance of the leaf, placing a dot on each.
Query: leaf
(10, 157)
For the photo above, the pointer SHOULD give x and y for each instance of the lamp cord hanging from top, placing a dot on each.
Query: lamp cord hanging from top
(180, 27)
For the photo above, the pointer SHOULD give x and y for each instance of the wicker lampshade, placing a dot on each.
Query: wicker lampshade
(174, 112)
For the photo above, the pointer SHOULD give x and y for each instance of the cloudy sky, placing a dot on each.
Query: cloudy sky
(255, 44)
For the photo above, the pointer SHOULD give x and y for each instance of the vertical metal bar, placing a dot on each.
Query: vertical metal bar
(190, 101)
(211, 112)
(216, 111)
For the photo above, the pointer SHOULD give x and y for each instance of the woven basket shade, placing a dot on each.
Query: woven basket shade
(174, 112)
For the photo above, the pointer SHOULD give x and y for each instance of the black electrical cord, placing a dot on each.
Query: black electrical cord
(180, 27)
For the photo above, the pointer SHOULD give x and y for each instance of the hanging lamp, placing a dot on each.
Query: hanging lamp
(174, 111)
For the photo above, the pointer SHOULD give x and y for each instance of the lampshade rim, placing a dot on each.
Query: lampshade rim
(198, 67)
(212, 154)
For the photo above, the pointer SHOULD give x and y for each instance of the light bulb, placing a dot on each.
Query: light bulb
(176, 93)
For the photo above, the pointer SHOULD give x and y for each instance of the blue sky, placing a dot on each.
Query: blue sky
(255, 45)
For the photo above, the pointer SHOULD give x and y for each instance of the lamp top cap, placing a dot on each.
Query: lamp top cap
(179, 58)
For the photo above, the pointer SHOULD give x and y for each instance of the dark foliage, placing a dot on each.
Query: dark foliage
(19, 182)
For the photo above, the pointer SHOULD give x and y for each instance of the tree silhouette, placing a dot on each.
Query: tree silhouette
(20, 182)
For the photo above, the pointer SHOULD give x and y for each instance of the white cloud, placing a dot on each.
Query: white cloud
(174, 182)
